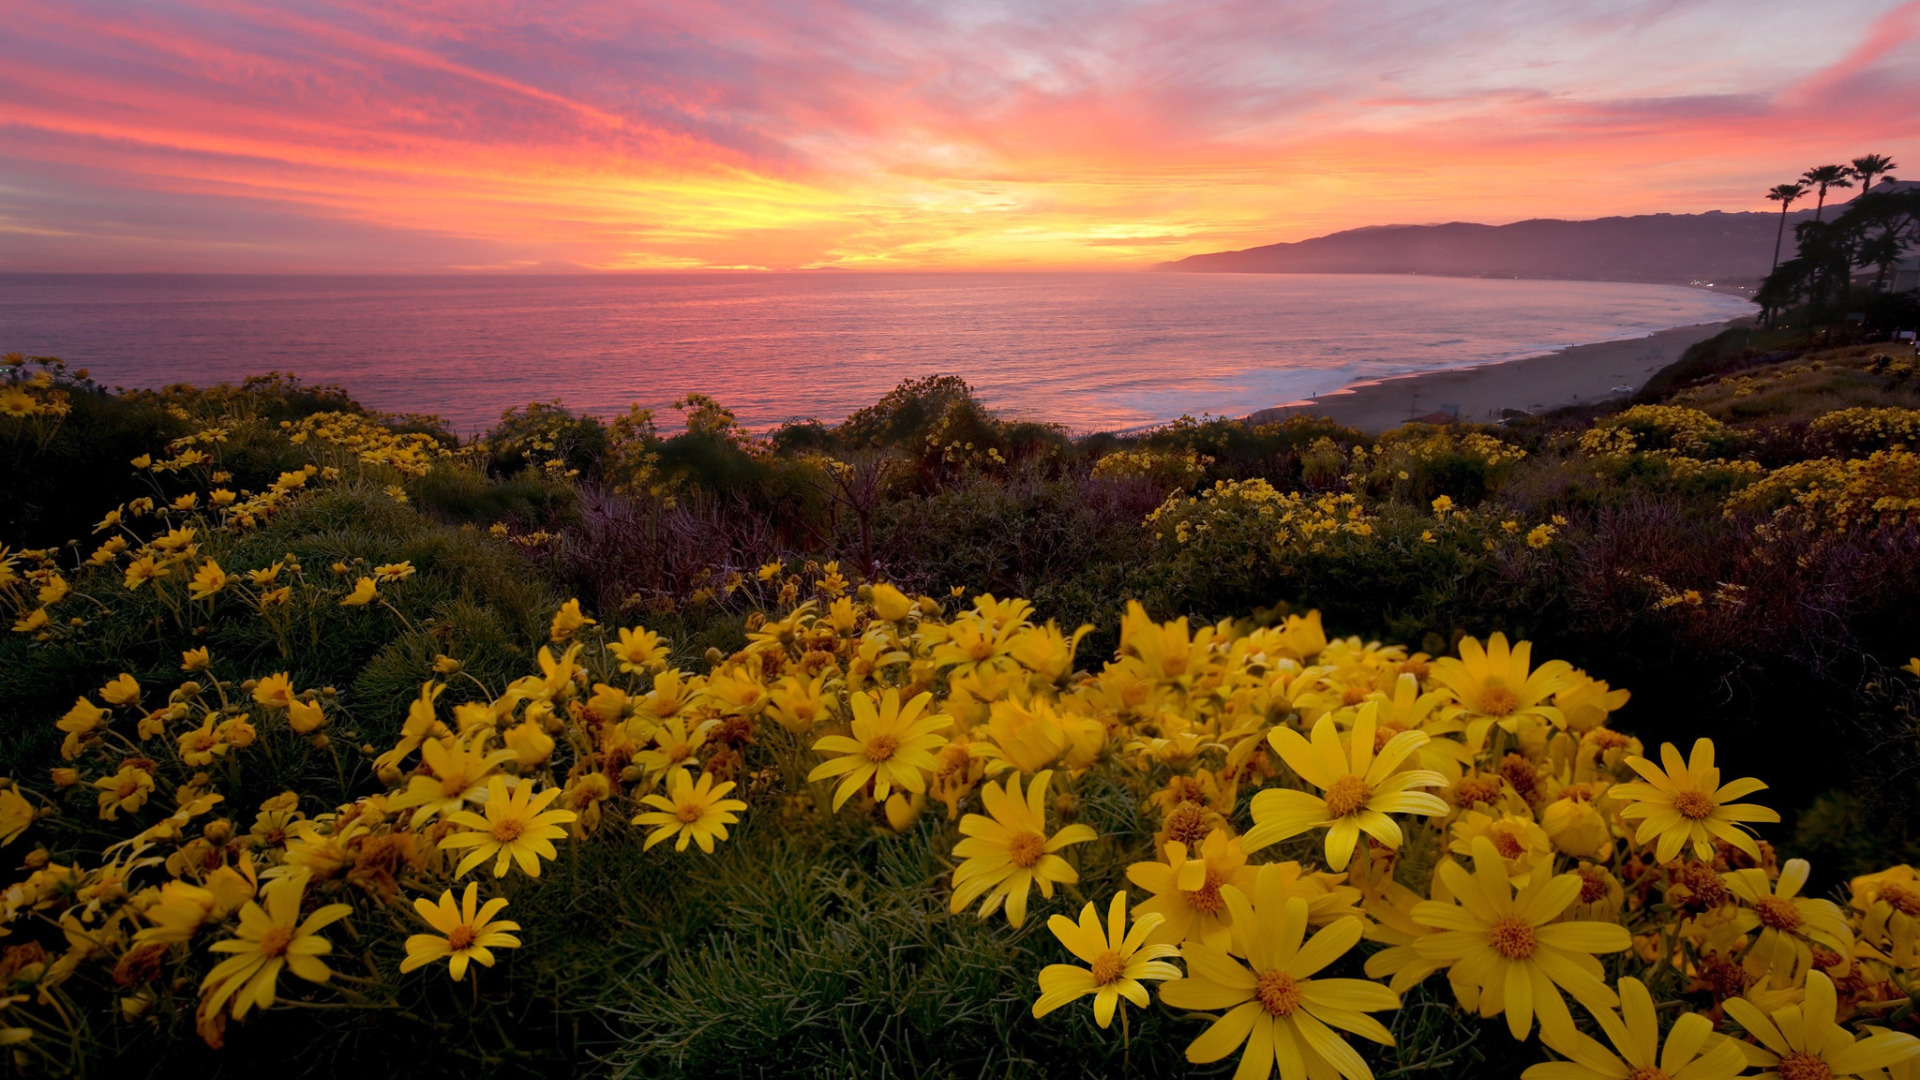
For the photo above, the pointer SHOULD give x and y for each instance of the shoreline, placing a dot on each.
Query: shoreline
(1575, 375)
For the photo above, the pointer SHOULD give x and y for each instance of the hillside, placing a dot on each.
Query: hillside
(283, 700)
(1677, 248)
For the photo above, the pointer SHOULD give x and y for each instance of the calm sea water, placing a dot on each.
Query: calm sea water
(1092, 351)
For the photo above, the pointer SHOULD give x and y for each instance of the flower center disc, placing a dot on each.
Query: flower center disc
(1779, 914)
(1799, 1066)
(275, 941)
(1025, 849)
(882, 748)
(509, 830)
(1278, 993)
(1498, 701)
(1692, 805)
(1512, 937)
(1107, 967)
(688, 813)
(1189, 823)
(1347, 795)
(1902, 900)
(1647, 1073)
(1207, 899)
(461, 938)
(1593, 885)
(1507, 843)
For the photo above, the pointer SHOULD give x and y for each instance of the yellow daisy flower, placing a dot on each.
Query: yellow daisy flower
(568, 621)
(178, 913)
(974, 645)
(1162, 651)
(674, 746)
(1187, 900)
(1688, 804)
(464, 933)
(1361, 788)
(1504, 951)
(207, 581)
(81, 721)
(305, 717)
(458, 772)
(890, 603)
(201, 745)
(697, 812)
(797, 704)
(513, 830)
(1007, 850)
(142, 570)
(1117, 961)
(890, 745)
(125, 790)
(1801, 1042)
(1390, 905)
(1276, 1010)
(363, 593)
(1889, 906)
(274, 690)
(1789, 924)
(1693, 1049)
(16, 814)
(271, 938)
(123, 690)
(1496, 684)
(1522, 843)
(639, 650)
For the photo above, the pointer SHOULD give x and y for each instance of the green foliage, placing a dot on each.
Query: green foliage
(1241, 449)
(530, 498)
(544, 435)
(907, 415)
(1725, 352)
(1072, 546)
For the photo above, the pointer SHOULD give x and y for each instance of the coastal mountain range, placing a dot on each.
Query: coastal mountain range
(1726, 249)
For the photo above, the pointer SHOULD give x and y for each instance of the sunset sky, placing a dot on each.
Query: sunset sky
(631, 134)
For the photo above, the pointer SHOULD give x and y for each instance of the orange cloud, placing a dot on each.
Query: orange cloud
(427, 134)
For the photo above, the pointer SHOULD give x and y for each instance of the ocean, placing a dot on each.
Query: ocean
(1111, 351)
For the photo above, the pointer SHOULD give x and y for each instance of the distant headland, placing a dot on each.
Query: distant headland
(1726, 250)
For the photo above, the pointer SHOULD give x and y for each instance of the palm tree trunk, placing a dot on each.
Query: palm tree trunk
(1821, 204)
(1779, 236)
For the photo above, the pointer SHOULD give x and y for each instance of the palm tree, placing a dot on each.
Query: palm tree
(1784, 194)
(1824, 177)
(1871, 166)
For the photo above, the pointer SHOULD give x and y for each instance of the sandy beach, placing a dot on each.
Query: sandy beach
(1583, 373)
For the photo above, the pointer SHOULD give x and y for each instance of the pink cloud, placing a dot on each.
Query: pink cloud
(1077, 132)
